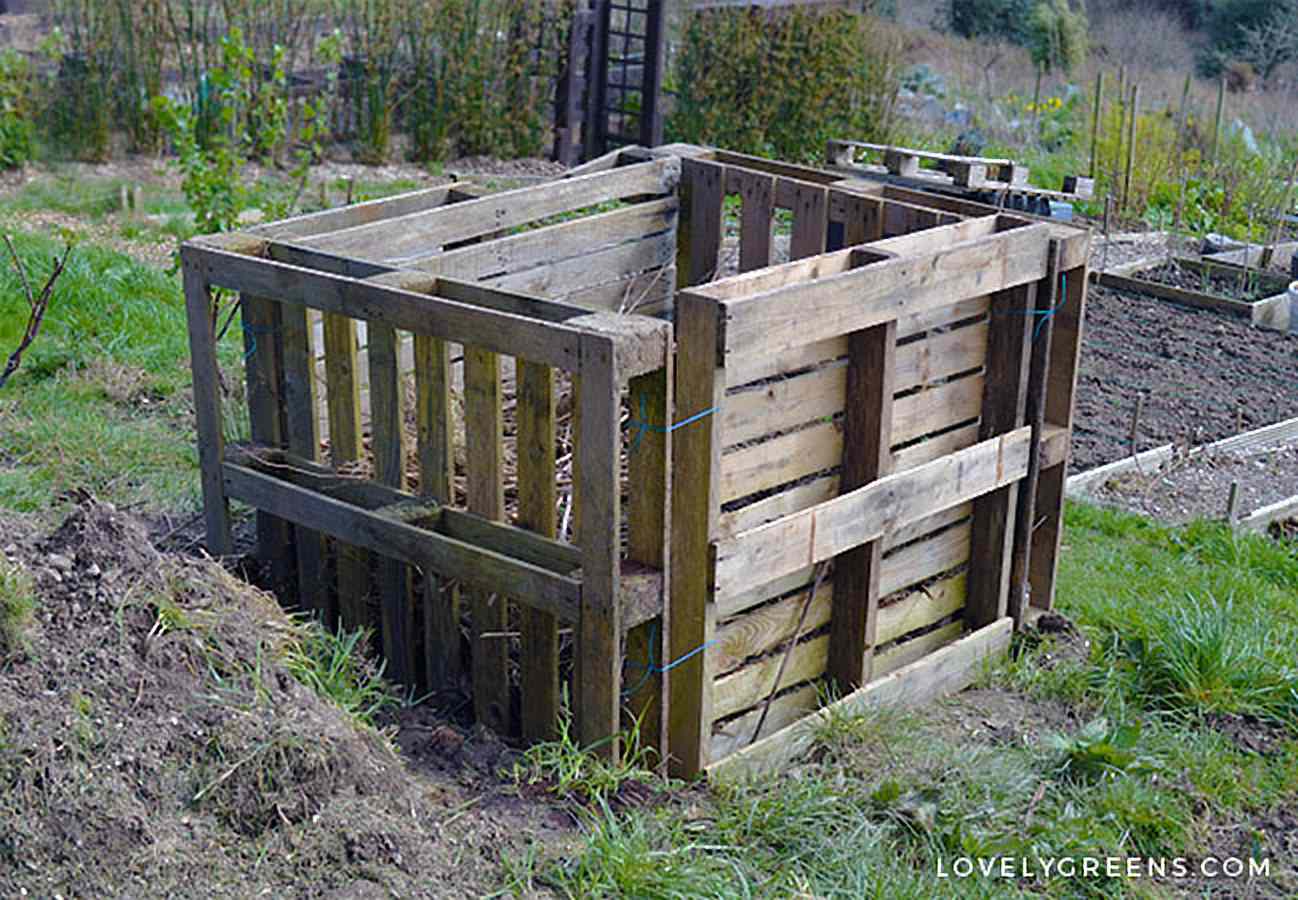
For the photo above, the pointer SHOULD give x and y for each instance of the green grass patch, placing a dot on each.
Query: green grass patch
(17, 607)
(334, 665)
(101, 401)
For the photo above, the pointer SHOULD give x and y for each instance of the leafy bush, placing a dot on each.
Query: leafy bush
(1057, 35)
(1004, 19)
(16, 131)
(783, 84)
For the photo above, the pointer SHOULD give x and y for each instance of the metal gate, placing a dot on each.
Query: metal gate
(610, 94)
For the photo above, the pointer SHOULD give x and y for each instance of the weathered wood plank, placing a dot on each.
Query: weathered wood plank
(400, 238)
(706, 197)
(264, 367)
(388, 442)
(756, 222)
(207, 409)
(944, 671)
(1004, 409)
(696, 504)
(405, 309)
(867, 456)
(649, 470)
(539, 658)
(564, 278)
(343, 400)
(330, 220)
(484, 453)
(487, 569)
(863, 297)
(810, 221)
(600, 630)
(867, 513)
(302, 437)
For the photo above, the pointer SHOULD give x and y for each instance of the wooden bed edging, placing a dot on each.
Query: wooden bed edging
(1269, 312)
(945, 671)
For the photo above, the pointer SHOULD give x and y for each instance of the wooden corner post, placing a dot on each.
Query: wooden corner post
(207, 406)
(599, 629)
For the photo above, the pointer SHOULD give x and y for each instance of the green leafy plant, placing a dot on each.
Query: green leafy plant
(17, 133)
(1099, 750)
(334, 665)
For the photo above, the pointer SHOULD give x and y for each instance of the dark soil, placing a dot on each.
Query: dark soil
(152, 743)
(1236, 286)
(1197, 485)
(1204, 376)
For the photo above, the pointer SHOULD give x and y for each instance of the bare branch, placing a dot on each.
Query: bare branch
(39, 305)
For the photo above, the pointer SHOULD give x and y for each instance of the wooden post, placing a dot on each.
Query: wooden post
(387, 429)
(599, 656)
(539, 677)
(702, 225)
(265, 381)
(1131, 145)
(1004, 407)
(443, 661)
(647, 515)
(1025, 518)
(1096, 122)
(810, 221)
(1221, 111)
(207, 409)
(867, 433)
(696, 467)
(757, 192)
(484, 453)
(343, 398)
(302, 436)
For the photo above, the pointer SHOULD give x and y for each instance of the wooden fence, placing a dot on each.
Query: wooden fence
(714, 487)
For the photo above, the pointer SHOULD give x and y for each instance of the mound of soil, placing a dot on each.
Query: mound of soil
(154, 743)
(1204, 376)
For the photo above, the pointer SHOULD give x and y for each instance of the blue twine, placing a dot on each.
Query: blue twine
(1048, 314)
(651, 668)
(641, 426)
(251, 331)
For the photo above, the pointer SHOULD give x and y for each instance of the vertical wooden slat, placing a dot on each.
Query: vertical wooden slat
(695, 511)
(1061, 387)
(388, 439)
(810, 221)
(536, 511)
(707, 196)
(207, 410)
(649, 473)
(302, 435)
(599, 655)
(867, 432)
(265, 388)
(443, 662)
(343, 398)
(861, 219)
(1042, 333)
(1003, 409)
(757, 191)
(484, 453)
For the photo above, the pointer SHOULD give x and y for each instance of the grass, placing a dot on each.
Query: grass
(101, 401)
(1183, 623)
(334, 665)
(17, 607)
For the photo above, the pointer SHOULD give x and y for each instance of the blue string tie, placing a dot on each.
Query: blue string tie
(651, 668)
(641, 426)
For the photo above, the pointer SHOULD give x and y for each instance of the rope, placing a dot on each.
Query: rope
(651, 668)
(641, 426)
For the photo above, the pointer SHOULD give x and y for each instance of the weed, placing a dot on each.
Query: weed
(334, 665)
(1099, 751)
(17, 608)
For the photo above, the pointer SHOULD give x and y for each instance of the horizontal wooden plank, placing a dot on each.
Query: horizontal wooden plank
(868, 513)
(387, 535)
(780, 405)
(1177, 295)
(884, 290)
(548, 342)
(410, 237)
(733, 734)
(948, 669)
(759, 467)
(894, 657)
(761, 630)
(756, 368)
(646, 293)
(552, 243)
(330, 220)
(752, 684)
(937, 554)
(561, 279)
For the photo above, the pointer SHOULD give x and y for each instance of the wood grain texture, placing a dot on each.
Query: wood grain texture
(302, 438)
(343, 400)
(810, 221)
(756, 219)
(706, 196)
(207, 409)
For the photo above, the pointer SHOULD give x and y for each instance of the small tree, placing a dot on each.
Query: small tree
(1057, 35)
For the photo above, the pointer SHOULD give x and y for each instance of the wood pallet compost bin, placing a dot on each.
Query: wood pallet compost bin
(451, 344)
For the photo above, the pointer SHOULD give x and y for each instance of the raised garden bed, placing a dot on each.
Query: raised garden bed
(1257, 296)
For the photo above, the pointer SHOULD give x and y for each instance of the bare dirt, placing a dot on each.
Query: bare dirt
(153, 743)
(1235, 286)
(1197, 485)
(1204, 376)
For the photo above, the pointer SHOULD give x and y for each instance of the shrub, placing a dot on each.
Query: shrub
(1003, 19)
(782, 84)
(1057, 36)
(16, 131)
